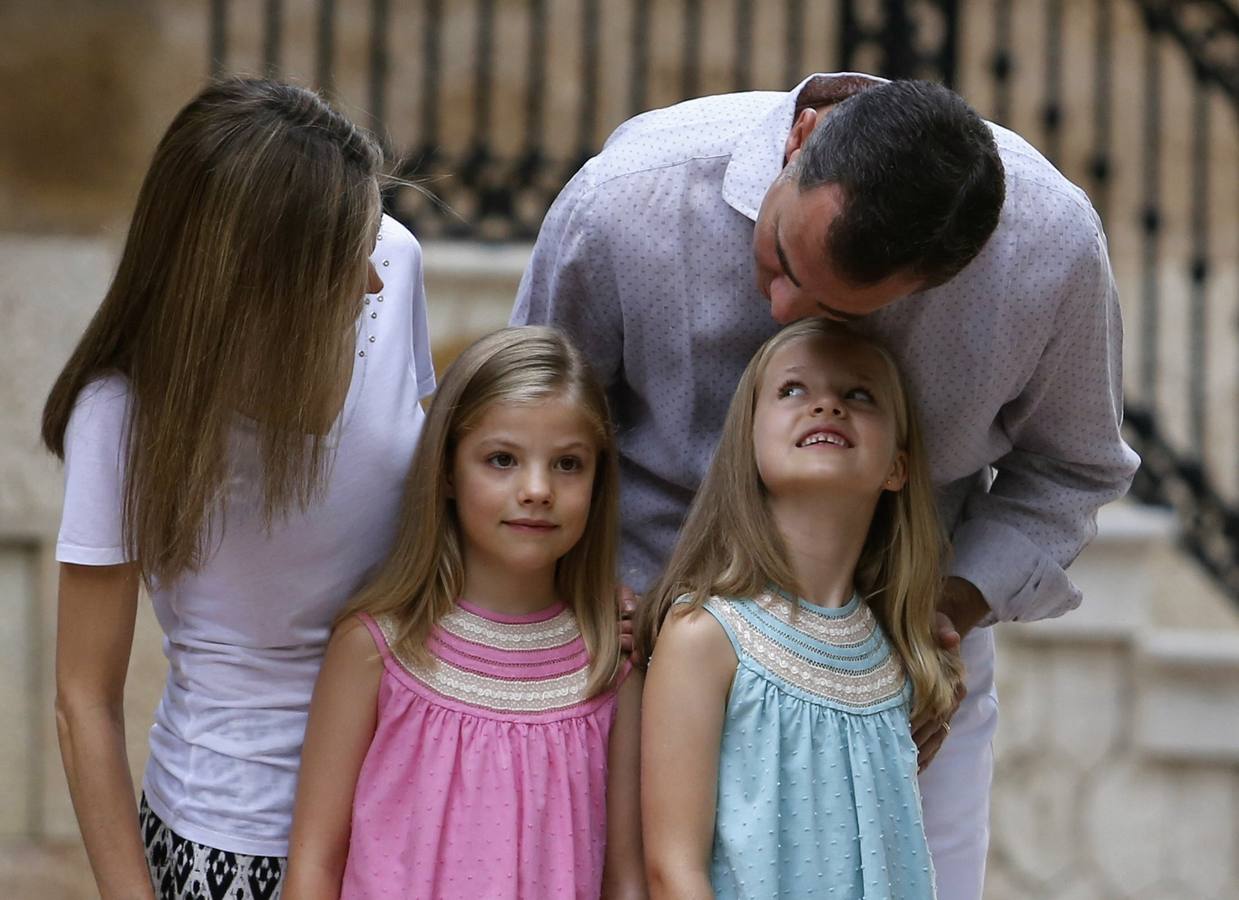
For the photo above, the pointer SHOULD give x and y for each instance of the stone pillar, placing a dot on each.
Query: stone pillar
(1117, 755)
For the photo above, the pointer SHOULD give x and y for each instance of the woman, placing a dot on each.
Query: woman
(235, 424)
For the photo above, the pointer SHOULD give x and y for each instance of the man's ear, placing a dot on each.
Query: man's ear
(898, 476)
(805, 122)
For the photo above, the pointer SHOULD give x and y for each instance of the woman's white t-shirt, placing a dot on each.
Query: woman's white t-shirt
(244, 636)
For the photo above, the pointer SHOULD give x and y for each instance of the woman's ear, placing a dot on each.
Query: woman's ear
(898, 476)
(449, 489)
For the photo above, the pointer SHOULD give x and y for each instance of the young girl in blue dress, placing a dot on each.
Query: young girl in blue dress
(792, 641)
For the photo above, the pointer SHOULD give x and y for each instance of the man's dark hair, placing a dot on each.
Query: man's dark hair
(921, 178)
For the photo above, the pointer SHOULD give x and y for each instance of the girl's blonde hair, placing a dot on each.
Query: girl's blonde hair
(238, 290)
(730, 545)
(422, 578)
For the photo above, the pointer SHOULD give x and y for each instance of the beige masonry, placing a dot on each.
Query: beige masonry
(1118, 761)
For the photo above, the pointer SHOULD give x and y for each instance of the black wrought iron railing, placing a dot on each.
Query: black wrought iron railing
(498, 102)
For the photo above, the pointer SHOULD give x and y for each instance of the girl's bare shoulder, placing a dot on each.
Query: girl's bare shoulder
(694, 636)
(352, 640)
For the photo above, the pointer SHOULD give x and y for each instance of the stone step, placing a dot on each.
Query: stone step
(1187, 695)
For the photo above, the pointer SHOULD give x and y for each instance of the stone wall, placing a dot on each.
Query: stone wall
(1117, 774)
(88, 89)
(1117, 771)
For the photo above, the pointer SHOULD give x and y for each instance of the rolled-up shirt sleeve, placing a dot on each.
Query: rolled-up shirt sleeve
(1015, 540)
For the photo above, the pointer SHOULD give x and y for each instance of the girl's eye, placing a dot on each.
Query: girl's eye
(569, 464)
(791, 389)
(501, 460)
(861, 394)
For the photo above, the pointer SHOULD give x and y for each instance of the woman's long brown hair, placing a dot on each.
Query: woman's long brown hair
(730, 545)
(423, 576)
(236, 294)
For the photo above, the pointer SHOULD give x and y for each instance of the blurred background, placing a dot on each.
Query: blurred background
(1118, 750)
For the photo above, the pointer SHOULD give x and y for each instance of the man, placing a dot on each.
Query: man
(701, 228)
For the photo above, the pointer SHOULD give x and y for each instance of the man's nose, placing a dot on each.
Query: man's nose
(783, 307)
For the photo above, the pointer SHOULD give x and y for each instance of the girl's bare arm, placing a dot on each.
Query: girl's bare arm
(98, 606)
(624, 876)
(341, 725)
(681, 729)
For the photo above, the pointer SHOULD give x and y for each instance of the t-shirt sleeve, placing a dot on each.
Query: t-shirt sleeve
(404, 250)
(423, 361)
(96, 441)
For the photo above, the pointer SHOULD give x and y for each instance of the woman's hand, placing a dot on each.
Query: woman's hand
(98, 607)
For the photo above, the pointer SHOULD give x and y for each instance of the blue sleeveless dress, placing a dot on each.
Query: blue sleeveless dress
(817, 789)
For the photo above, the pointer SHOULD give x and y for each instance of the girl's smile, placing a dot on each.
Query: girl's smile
(824, 437)
(533, 525)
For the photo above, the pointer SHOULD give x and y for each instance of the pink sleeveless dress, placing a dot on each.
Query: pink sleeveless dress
(487, 774)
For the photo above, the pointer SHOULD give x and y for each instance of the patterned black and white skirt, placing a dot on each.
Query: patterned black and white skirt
(183, 870)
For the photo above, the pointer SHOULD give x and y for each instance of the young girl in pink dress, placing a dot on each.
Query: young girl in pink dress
(489, 748)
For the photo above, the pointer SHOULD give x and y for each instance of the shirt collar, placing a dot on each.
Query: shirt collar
(757, 157)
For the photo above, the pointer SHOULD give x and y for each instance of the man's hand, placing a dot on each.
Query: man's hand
(626, 599)
(930, 732)
(959, 609)
(964, 605)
